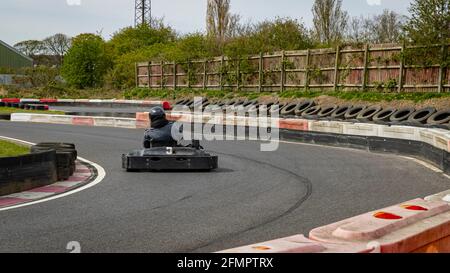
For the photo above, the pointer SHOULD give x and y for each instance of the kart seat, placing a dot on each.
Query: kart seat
(149, 144)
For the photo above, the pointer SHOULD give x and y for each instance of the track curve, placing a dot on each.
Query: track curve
(254, 197)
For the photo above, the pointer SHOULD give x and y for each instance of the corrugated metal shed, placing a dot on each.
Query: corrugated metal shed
(12, 58)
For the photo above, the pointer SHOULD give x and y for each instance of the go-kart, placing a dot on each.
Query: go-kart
(170, 157)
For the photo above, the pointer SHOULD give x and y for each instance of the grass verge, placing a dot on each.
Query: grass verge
(10, 110)
(8, 149)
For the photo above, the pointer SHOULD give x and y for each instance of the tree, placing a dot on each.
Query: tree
(131, 39)
(220, 23)
(270, 36)
(384, 28)
(30, 48)
(429, 22)
(57, 45)
(86, 62)
(387, 27)
(330, 21)
(359, 30)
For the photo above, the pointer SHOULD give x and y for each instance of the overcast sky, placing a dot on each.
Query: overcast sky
(37, 19)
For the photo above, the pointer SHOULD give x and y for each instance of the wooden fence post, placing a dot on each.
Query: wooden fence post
(283, 72)
(174, 75)
(238, 74)
(162, 74)
(136, 72)
(189, 74)
(366, 61)
(336, 68)
(402, 67)
(308, 57)
(149, 74)
(205, 74)
(261, 69)
(441, 69)
(222, 58)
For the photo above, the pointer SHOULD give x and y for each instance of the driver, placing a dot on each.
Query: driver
(160, 133)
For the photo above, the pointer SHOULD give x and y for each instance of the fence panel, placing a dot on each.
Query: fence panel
(376, 67)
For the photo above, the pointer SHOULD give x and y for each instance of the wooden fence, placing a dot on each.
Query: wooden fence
(376, 67)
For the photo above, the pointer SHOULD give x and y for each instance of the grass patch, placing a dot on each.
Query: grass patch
(8, 149)
(10, 110)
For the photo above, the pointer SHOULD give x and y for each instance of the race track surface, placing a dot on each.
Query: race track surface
(254, 197)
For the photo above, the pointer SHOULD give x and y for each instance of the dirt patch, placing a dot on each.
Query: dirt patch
(439, 104)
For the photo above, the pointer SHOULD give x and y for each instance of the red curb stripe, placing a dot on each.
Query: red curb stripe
(76, 179)
(8, 201)
(49, 189)
(83, 121)
(83, 171)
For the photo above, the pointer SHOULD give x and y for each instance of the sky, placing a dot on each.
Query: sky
(31, 19)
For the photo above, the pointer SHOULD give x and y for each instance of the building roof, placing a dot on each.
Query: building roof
(15, 50)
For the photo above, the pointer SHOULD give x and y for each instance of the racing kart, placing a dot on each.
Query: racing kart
(170, 157)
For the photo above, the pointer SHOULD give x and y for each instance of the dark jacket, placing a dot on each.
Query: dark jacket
(159, 136)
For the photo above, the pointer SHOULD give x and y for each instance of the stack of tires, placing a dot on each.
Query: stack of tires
(66, 155)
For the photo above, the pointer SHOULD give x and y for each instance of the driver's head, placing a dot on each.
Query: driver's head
(157, 114)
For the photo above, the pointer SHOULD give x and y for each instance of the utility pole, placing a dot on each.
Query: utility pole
(142, 12)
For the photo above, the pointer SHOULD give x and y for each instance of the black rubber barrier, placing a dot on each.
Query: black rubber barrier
(27, 172)
(438, 157)
(66, 155)
(5, 116)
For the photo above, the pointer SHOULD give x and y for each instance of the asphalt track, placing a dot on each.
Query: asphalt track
(254, 197)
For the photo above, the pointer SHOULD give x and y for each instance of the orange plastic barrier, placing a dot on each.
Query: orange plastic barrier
(294, 124)
(398, 229)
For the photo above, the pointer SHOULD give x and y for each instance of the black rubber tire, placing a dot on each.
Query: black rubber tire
(340, 112)
(56, 145)
(276, 109)
(289, 109)
(250, 103)
(2, 104)
(402, 114)
(439, 118)
(312, 112)
(384, 115)
(368, 114)
(303, 106)
(327, 111)
(181, 102)
(253, 109)
(5, 116)
(353, 112)
(421, 116)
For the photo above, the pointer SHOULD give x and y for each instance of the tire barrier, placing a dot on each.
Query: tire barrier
(384, 115)
(312, 112)
(441, 117)
(421, 116)
(25, 106)
(27, 172)
(66, 155)
(339, 114)
(303, 106)
(289, 110)
(327, 111)
(402, 115)
(5, 116)
(368, 114)
(354, 112)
